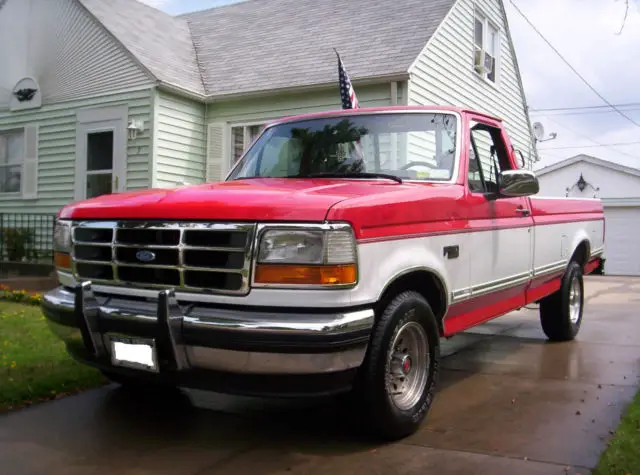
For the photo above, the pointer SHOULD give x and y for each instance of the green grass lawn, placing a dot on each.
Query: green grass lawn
(623, 453)
(33, 362)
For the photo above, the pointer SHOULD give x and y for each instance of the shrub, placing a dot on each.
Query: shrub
(18, 243)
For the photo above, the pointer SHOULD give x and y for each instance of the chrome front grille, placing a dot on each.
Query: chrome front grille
(201, 257)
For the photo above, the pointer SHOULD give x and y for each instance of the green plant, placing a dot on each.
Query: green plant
(18, 243)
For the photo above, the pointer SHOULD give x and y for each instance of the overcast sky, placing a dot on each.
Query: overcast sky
(585, 33)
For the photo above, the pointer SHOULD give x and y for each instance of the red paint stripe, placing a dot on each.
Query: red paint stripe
(473, 312)
(563, 218)
(591, 266)
(441, 228)
(542, 286)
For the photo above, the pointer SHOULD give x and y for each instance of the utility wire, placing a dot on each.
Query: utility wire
(585, 112)
(593, 146)
(580, 134)
(571, 67)
(585, 107)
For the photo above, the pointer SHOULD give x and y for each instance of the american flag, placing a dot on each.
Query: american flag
(348, 96)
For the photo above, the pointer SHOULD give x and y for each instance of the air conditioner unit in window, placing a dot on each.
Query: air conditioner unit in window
(489, 62)
(480, 61)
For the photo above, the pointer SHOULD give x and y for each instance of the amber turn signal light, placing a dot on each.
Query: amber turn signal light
(306, 275)
(63, 260)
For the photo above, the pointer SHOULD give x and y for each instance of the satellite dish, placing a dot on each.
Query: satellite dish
(538, 130)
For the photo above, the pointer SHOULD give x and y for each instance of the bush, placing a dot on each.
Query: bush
(18, 243)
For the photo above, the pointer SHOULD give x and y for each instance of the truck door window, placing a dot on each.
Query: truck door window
(487, 158)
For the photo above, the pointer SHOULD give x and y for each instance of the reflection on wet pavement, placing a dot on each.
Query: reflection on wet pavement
(508, 402)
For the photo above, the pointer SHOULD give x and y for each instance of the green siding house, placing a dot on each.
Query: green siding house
(99, 97)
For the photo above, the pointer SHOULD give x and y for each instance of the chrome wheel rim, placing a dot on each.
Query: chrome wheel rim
(575, 300)
(407, 366)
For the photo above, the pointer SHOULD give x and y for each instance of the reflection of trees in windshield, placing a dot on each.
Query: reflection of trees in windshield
(330, 148)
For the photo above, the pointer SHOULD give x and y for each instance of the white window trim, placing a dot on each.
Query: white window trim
(245, 125)
(7, 131)
(486, 23)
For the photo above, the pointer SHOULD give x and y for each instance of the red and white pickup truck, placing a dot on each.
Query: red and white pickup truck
(339, 250)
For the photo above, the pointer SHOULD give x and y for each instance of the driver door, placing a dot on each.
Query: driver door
(502, 242)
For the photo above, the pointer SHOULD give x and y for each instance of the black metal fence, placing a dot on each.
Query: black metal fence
(26, 237)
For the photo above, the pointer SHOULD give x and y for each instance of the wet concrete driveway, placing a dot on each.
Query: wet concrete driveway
(509, 402)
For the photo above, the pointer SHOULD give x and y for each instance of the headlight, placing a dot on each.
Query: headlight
(318, 257)
(62, 236)
(62, 244)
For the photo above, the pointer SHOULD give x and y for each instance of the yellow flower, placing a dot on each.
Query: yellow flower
(13, 364)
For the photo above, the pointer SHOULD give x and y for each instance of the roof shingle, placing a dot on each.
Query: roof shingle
(161, 42)
(260, 45)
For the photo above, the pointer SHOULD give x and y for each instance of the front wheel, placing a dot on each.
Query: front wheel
(561, 312)
(397, 380)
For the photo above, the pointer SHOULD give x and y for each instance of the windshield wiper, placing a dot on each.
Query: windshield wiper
(354, 175)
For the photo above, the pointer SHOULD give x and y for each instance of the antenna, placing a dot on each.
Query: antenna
(538, 133)
(538, 130)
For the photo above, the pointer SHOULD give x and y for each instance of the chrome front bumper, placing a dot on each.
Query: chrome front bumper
(207, 338)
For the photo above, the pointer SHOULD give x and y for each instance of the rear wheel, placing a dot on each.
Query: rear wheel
(397, 380)
(561, 312)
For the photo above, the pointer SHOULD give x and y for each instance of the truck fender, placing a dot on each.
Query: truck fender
(580, 238)
(402, 258)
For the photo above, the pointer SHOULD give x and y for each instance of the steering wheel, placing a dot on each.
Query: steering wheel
(413, 164)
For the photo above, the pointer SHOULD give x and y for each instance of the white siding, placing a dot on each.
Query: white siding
(180, 141)
(57, 149)
(281, 105)
(443, 74)
(60, 45)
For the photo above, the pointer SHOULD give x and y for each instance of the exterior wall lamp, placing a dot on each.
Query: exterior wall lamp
(582, 185)
(135, 127)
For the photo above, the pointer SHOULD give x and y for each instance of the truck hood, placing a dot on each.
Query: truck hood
(264, 199)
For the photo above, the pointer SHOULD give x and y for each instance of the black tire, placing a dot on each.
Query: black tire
(555, 309)
(383, 418)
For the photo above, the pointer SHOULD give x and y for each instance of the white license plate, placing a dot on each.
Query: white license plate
(134, 353)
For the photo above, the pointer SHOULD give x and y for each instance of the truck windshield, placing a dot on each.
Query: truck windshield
(413, 146)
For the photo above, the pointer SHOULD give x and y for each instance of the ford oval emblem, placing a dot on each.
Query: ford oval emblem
(145, 256)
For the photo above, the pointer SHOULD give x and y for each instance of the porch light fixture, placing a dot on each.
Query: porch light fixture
(582, 185)
(135, 127)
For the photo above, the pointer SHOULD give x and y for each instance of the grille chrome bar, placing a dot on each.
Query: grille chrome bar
(223, 270)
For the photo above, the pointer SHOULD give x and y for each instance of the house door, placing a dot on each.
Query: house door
(101, 158)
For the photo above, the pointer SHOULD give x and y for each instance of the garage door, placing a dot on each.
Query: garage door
(621, 241)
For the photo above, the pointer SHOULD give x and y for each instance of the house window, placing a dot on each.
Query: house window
(241, 137)
(11, 158)
(486, 46)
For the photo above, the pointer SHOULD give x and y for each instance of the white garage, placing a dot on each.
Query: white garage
(618, 187)
(622, 236)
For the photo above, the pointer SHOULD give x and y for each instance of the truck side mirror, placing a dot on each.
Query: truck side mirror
(518, 183)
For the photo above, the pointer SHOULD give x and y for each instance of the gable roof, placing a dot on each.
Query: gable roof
(264, 45)
(588, 159)
(273, 44)
(161, 43)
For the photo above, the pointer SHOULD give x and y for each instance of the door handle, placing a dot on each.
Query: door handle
(523, 211)
(116, 183)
